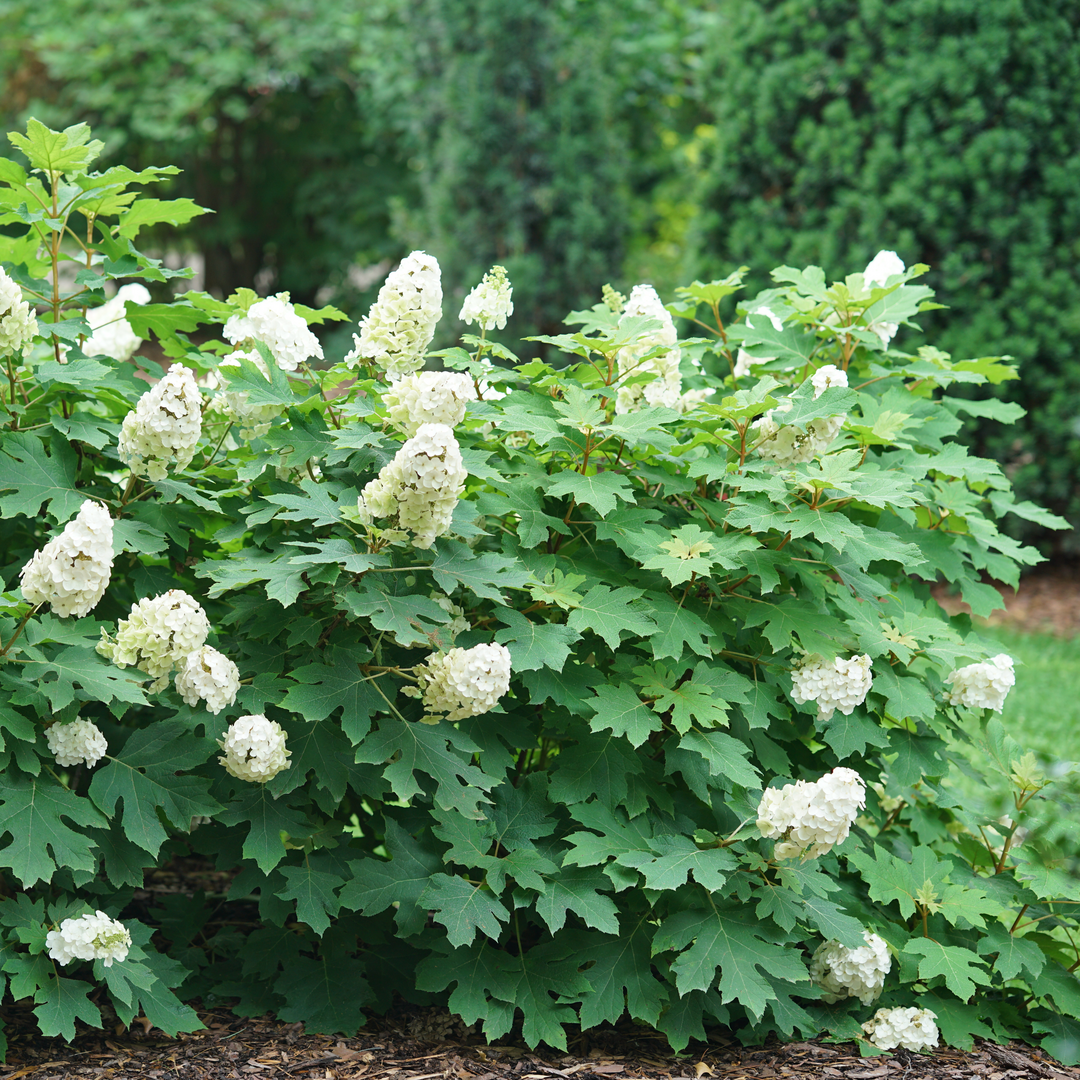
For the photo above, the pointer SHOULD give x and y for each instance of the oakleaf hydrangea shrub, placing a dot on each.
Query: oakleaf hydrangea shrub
(535, 689)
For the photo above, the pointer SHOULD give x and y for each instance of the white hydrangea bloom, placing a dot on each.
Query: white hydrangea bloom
(254, 749)
(810, 819)
(842, 972)
(666, 386)
(489, 305)
(833, 684)
(465, 682)
(691, 399)
(884, 265)
(158, 634)
(743, 360)
(274, 322)
(210, 676)
(398, 329)
(792, 444)
(909, 1028)
(419, 489)
(72, 571)
(18, 323)
(165, 425)
(77, 743)
(827, 375)
(458, 623)
(982, 686)
(113, 335)
(429, 397)
(89, 937)
(254, 420)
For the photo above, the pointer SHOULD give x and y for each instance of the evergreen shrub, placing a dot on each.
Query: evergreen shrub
(559, 693)
(945, 129)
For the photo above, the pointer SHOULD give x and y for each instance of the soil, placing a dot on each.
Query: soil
(430, 1044)
(1047, 601)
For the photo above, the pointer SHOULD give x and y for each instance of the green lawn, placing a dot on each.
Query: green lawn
(1042, 711)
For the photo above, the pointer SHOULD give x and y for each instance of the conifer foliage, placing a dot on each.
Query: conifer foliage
(556, 710)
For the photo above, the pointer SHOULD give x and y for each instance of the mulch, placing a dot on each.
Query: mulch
(430, 1044)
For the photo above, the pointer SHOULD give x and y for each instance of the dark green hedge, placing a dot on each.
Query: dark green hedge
(946, 129)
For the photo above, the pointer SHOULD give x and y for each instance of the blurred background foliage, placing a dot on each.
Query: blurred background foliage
(582, 141)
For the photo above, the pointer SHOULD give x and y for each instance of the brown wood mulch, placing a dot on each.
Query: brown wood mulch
(428, 1044)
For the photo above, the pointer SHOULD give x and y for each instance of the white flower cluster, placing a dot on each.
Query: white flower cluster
(113, 335)
(164, 425)
(458, 624)
(810, 819)
(489, 305)
(208, 675)
(464, 682)
(72, 571)
(691, 399)
(743, 360)
(254, 749)
(18, 323)
(429, 397)
(254, 420)
(833, 684)
(419, 489)
(982, 686)
(666, 386)
(274, 322)
(792, 444)
(90, 937)
(884, 265)
(842, 972)
(827, 375)
(398, 329)
(80, 742)
(157, 635)
(908, 1028)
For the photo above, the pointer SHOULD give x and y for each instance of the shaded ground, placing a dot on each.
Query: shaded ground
(1047, 601)
(430, 1045)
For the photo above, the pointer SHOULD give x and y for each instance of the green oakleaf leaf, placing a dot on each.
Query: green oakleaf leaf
(535, 645)
(377, 883)
(147, 780)
(57, 151)
(439, 751)
(156, 212)
(491, 983)
(313, 989)
(730, 940)
(60, 1003)
(313, 891)
(601, 491)
(610, 613)
(464, 909)
(618, 709)
(269, 820)
(339, 683)
(32, 811)
(35, 478)
(961, 967)
(619, 970)
(578, 889)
